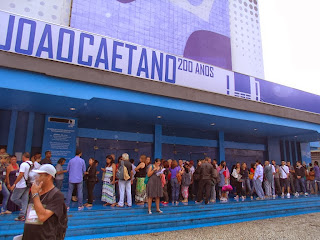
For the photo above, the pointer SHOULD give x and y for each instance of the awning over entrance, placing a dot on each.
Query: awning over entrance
(99, 107)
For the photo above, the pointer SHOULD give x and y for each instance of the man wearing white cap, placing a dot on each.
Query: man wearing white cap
(47, 213)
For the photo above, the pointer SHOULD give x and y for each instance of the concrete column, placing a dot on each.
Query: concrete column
(29, 132)
(222, 155)
(158, 141)
(12, 131)
(290, 153)
(274, 152)
(296, 151)
(284, 150)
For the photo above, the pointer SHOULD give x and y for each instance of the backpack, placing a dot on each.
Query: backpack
(122, 173)
(186, 179)
(28, 181)
(63, 221)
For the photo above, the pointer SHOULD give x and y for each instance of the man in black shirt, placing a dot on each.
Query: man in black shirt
(207, 176)
(46, 210)
(47, 159)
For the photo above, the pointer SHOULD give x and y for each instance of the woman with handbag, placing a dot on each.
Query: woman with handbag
(109, 179)
(224, 184)
(141, 172)
(176, 172)
(154, 184)
(238, 182)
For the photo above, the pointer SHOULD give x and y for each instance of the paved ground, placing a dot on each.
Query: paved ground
(304, 227)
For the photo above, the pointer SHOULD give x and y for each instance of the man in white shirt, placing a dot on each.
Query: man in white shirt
(284, 182)
(258, 179)
(20, 195)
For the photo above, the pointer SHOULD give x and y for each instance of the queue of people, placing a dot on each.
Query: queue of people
(164, 181)
(179, 181)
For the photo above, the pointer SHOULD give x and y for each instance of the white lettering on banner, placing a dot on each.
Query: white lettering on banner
(49, 41)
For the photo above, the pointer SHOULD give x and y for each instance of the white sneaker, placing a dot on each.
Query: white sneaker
(282, 195)
(296, 194)
(273, 196)
(306, 194)
(288, 195)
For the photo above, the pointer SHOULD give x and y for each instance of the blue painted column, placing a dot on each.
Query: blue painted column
(29, 132)
(12, 131)
(296, 151)
(274, 152)
(284, 150)
(157, 141)
(290, 153)
(222, 155)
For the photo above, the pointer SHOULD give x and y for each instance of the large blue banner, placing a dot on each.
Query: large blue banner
(49, 41)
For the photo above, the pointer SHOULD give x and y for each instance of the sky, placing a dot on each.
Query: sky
(290, 34)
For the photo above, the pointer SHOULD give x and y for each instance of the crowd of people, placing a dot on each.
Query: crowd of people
(164, 181)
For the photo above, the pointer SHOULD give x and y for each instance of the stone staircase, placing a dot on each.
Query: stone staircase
(101, 222)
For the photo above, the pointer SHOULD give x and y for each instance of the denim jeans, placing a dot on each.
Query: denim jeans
(20, 196)
(247, 187)
(311, 186)
(59, 183)
(317, 182)
(175, 190)
(258, 187)
(301, 185)
(79, 187)
(5, 194)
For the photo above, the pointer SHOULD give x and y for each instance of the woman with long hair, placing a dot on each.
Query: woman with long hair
(12, 173)
(154, 185)
(238, 181)
(141, 172)
(224, 181)
(109, 179)
(245, 178)
(175, 186)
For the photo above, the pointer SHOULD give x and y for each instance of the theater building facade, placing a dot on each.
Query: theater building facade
(169, 79)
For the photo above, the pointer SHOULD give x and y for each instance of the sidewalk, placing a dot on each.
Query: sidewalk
(304, 227)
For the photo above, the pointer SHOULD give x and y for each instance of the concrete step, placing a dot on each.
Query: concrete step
(107, 221)
(156, 221)
(118, 214)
